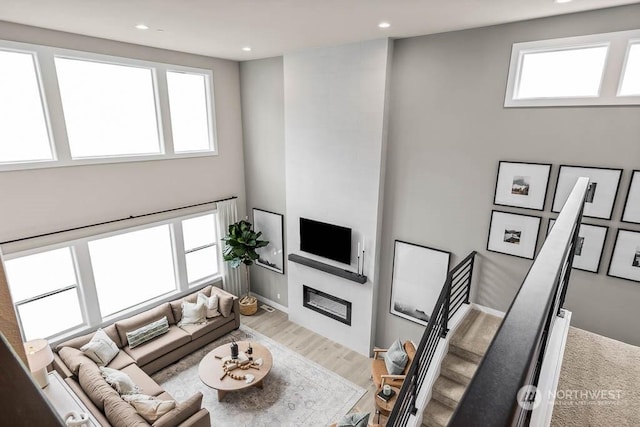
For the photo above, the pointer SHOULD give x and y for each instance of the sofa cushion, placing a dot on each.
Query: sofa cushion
(73, 358)
(101, 349)
(160, 346)
(396, 358)
(145, 384)
(122, 360)
(82, 340)
(176, 305)
(148, 332)
(197, 331)
(144, 318)
(225, 301)
(181, 413)
(94, 386)
(121, 414)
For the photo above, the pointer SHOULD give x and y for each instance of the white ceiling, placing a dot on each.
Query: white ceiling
(220, 28)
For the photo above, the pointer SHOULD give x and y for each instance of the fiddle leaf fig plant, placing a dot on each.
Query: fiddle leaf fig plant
(241, 244)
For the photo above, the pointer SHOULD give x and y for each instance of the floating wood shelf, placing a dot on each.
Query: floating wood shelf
(336, 271)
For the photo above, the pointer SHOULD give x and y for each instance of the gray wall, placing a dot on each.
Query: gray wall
(448, 130)
(262, 88)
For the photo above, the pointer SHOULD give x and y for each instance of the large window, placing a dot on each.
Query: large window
(44, 289)
(581, 70)
(24, 135)
(201, 253)
(102, 109)
(86, 282)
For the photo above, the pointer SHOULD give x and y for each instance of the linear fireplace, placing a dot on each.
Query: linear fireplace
(329, 305)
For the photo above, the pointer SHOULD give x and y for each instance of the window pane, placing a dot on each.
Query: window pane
(132, 268)
(562, 73)
(199, 232)
(23, 127)
(109, 109)
(34, 275)
(202, 263)
(48, 316)
(631, 80)
(189, 112)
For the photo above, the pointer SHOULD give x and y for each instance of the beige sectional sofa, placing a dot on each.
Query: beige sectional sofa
(84, 376)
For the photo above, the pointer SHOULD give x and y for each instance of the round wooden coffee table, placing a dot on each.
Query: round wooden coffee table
(211, 372)
(383, 407)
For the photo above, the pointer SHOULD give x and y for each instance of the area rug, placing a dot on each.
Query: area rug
(297, 391)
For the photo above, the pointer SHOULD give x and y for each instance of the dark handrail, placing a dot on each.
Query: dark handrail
(436, 329)
(515, 355)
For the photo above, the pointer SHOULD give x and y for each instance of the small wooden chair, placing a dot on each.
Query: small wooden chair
(379, 372)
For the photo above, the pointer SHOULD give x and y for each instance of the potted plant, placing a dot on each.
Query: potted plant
(241, 244)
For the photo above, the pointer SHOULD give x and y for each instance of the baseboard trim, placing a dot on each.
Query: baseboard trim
(488, 310)
(271, 303)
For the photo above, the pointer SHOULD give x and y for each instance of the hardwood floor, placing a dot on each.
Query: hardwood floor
(331, 355)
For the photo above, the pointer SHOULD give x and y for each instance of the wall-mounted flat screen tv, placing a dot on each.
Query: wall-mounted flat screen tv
(325, 240)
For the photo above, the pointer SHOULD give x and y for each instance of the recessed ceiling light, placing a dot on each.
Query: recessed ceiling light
(384, 25)
(247, 48)
(142, 27)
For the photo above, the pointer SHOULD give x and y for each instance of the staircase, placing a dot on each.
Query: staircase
(466, 348)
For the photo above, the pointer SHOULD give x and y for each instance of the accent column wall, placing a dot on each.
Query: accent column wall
(335, 149)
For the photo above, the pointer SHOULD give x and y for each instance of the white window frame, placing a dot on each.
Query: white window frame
(52, 105)
(86, 287)
(631, 42)
(618, 47)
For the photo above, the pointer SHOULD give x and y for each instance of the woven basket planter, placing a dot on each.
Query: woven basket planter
(249, 308)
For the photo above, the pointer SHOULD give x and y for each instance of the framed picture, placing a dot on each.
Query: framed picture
(631, 211)
(419, 273)
(625, 260)
(523, 185)
(513, 234)
(601, 193)
(272, 226)
(588, 254)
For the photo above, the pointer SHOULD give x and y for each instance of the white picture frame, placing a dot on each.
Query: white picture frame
(631, 211)
(601, 193)
(625, 259)
(591, 238)
(419, 273)
(522, 185)
(513, 234)
(271, 225)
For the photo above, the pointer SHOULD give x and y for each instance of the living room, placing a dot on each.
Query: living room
(417, 163)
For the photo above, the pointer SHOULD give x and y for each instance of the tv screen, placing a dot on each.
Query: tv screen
(325, 240)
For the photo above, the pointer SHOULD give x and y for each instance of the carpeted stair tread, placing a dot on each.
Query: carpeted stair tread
(448, 392)
(458, 369)
(472, 339)
(436, 414)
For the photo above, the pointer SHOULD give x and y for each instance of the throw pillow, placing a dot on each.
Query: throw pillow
(132, 397)
(120, 381)
(354, 420)
(153, 409)
(395, 359)
(148, 332)
(225, 304)
(210, 303)
(192, 313)
(101, 349)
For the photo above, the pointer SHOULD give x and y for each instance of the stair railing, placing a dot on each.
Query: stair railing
(502, 391)
(454, 293)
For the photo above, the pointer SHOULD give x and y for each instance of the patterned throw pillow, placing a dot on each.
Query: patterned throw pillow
(354, 420)
(395, 359)
(210, 303)
(148, 332)
(101, 349)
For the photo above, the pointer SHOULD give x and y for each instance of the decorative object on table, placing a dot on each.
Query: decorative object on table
(241, 244)
(39, 356)
(631, 211)
(419, 272)
(234, 350)
(386, 390)
(250, 351)
(76, 419)
(625, 260)
(523, 185)
(601, 193)
(588, 253)
(384, 396)
(271, 225)
(513, 234)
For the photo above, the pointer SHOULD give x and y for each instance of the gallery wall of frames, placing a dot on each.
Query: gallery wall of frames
(524, 186)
